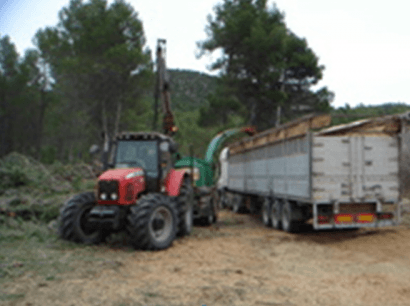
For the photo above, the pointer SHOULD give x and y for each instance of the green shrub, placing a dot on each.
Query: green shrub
(11, 178)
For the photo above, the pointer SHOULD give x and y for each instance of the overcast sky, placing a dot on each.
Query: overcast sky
(364, 45)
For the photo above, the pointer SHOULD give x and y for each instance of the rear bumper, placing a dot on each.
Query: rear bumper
(376, 222)
(381, 223)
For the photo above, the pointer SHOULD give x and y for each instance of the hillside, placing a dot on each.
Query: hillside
(347, 114)
(189, 89)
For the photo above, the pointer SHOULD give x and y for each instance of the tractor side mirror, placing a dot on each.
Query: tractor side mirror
(173, 147)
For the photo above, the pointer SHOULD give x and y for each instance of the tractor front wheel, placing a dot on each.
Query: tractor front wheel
(74, 223)
(152, 223)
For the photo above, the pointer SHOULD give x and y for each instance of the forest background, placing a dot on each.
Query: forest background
(92, 72)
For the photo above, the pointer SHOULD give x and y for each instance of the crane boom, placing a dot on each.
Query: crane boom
(163, 90)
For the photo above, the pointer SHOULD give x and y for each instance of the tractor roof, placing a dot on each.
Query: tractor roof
(143, 136)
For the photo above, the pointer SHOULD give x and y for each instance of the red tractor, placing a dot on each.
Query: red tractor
(143, 195)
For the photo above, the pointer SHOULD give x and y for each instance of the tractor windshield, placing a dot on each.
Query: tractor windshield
(141, 153)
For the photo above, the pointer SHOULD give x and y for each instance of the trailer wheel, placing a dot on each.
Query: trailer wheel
(211, 217)
(208, 220)
(185, 208)
(237, 205)
(222, 199)
(276, 214)
(289, 225)
(152, 223)
(74, 223)
(266, 212)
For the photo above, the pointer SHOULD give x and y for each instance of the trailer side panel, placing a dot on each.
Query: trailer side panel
(280, 168)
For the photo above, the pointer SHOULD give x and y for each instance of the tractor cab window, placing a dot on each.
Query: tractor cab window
(142, 153)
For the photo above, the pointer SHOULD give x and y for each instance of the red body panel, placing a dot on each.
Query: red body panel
(134, 185)
(173, 181)
(117, 174)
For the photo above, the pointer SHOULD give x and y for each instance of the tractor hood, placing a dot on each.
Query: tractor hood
(118, 174)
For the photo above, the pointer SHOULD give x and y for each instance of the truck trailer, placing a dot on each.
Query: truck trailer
(345, 176)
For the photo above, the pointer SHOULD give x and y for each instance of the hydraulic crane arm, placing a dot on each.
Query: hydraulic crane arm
(163, 90)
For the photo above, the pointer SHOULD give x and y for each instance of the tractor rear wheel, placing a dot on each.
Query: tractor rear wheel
(152, 223)
(184, 203)
(74, 223)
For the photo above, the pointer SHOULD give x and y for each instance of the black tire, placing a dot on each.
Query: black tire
(215, 214)
(152, 223)
(211, 217)
(74, 224)
(288, 224)
(266, 212)
(227, 200)
(184, 204)
(222, 199)
(237, 205)
(208, 220)
(276, 215)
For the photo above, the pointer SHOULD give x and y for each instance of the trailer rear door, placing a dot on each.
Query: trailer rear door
(355, 168)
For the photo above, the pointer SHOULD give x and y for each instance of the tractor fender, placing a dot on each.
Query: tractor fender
(174, 180)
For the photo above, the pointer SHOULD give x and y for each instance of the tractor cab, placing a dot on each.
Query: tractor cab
(141, 154)
(139, 165)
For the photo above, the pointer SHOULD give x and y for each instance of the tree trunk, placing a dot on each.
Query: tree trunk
(40, 123)
(278, 113)
(117, 119)
(106, 148)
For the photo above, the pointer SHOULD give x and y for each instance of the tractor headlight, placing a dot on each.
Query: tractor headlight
(103, 196)
(114, 196)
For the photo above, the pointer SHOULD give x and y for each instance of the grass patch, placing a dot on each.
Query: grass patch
(11, 297)
(30, 247)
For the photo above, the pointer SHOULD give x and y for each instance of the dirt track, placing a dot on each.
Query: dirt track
(239, 262)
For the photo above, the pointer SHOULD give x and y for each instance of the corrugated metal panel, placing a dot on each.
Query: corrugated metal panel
(381, 167)
(282, 168)
(355, 168)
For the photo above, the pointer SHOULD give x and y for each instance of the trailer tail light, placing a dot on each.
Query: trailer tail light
(343, 218)
(385, 216)
(323, 219)
(365, 218)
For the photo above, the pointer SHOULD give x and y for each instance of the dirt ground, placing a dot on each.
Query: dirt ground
(236, 262)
